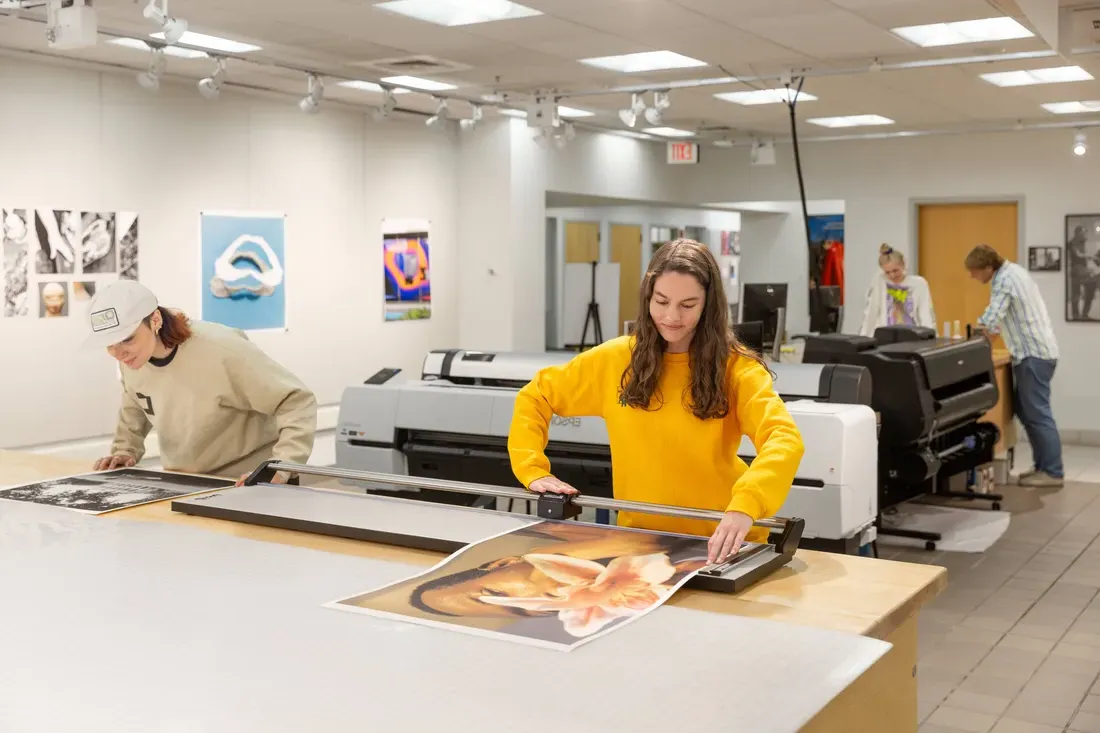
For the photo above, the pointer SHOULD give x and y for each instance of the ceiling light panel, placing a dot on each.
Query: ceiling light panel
(1053, 75)
(851, 121)
(633, 63)
(367, 86)
(413, 82)
(668, 132)
(139, 45)
(1072, 108)
(571, 112)
(459, 12)
(764, 96)
(214, 43)
(984, 30)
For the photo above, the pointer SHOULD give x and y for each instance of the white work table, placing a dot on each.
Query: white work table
(148, 620)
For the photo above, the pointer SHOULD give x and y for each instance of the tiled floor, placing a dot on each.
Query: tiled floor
(1013, 644)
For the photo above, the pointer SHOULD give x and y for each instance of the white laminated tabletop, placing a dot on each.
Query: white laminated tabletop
(118, 627)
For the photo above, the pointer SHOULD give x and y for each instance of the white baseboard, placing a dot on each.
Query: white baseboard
(93, 448)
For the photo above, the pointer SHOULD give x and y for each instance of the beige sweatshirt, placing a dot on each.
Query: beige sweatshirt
(221, 406)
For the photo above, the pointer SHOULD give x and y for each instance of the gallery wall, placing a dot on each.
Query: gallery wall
(79, 140)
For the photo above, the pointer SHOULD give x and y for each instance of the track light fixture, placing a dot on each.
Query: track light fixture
(389, 104)
(475, 117)
(150, 79)
(655, 114)
(211, 86)
(630, 116)
(440, 114)
(173, 28)
(1080, 146)
(558, 136)
(311, 103)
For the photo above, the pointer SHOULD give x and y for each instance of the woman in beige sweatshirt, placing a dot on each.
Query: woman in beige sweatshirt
(220, 405)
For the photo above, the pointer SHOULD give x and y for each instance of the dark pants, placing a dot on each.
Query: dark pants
(1032, 378)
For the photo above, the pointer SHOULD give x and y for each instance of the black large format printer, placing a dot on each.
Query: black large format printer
(931, 395)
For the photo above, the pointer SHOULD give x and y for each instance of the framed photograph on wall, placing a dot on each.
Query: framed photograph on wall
(1044, 259)
(1082, 267)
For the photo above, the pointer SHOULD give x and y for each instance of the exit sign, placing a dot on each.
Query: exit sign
(681, 152)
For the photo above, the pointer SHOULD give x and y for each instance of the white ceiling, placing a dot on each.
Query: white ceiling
(344, 38)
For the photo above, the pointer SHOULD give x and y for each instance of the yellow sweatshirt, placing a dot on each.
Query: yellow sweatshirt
(221, 406)
(666, 455)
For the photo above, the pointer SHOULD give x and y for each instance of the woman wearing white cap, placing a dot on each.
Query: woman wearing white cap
(221, 406)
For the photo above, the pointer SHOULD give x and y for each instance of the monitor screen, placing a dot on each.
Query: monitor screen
(761, 302)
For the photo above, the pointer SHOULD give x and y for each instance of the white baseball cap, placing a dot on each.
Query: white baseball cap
(116, 311)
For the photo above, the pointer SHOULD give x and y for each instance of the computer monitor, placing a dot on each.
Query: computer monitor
(751, 334)
(825, 309)
(761, 302)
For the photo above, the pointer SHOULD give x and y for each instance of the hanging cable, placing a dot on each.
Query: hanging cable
(815, 270)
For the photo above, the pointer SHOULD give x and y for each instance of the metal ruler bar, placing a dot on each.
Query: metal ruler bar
(463, 487)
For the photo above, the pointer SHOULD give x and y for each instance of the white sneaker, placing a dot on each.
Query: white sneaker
(1040, 479)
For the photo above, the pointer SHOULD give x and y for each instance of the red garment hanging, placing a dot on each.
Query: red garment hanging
(832, 269)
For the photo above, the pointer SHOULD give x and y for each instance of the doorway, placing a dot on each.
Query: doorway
(945, 234)
(626, 249)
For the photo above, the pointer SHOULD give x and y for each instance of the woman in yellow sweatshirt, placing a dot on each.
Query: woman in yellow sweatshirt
(677, 395)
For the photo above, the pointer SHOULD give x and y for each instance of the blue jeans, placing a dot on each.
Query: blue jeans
(1032, 378)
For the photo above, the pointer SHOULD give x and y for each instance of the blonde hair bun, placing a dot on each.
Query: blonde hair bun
(885, 249)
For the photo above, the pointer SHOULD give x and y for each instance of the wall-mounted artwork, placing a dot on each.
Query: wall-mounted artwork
(1082, 267)
(243, 270)
(406, 269)
(52, 257)
(1044, 259)
(15, 241)
(556, 585)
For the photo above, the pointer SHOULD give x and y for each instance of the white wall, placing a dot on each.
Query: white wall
(72, 138)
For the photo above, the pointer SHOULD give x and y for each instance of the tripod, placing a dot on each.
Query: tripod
(592, 316)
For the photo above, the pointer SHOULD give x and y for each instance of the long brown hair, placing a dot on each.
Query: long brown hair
(712, 344)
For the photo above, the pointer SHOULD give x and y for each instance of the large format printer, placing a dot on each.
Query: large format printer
(453, 424)
(931, 395)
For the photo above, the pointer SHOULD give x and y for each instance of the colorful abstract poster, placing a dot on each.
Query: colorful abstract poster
(556, 585)
(406, 265)
(243, 270)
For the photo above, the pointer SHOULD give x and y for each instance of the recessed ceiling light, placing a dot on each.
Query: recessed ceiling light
(413, 82)
(851, 121)
(646, 61)
(1072, 108)
(668, 132)
(1053, 75)
(964, 31)
(368, 86)
(459, 12)
(562, 112)
(765, 96)
(183, 53)
(213, 43)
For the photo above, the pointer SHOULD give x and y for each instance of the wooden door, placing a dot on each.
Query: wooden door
(582, 241)
(946, 233)
(626, 249)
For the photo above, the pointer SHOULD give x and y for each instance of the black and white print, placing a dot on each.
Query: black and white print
(126, 231)
(107, 491)
(57, 236)
(1082, 267)
(98, 250)
(1044, 259)
(15, 237)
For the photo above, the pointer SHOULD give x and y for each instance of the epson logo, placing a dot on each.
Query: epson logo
(569, 422)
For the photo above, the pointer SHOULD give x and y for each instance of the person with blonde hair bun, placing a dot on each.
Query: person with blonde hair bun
(895, 297)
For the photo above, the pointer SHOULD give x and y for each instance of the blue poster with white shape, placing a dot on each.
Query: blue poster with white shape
(243, 270)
